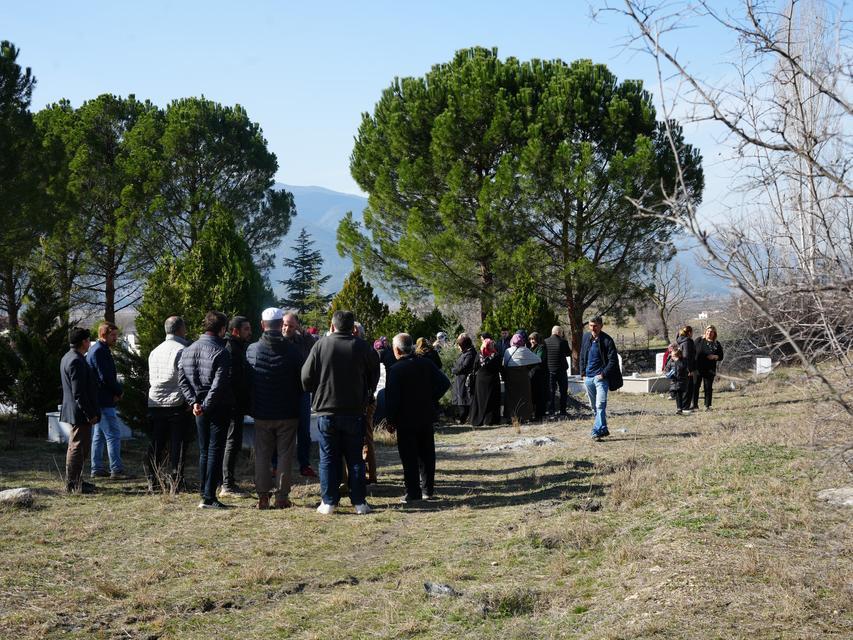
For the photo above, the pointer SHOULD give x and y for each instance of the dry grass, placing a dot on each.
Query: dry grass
(692, 527)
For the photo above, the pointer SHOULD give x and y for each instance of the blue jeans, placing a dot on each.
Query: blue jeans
(597, 392)
(341, 435)
(303, 432)
(212, 428)
(108, 432)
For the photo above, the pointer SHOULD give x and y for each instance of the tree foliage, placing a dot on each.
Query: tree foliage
(521, 308)
(38, 347)
(213, 156)
(305, 285)
(217, 273)
(483, 168)
(438, 158)
(21, 181)
(357, 295)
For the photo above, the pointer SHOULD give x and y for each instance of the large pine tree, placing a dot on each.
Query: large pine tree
(305, 285)
(357, 295)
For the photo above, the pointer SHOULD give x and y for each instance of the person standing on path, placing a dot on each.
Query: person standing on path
(107, 433)
(204, 375)
(709, 352)
(275, 366)
(238, 338)
(168, 413)
(413, 388)
(79, 408)
(599, 364)
(337, 372)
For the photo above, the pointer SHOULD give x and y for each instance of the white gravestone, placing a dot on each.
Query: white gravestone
(659, 361)
(763, 366)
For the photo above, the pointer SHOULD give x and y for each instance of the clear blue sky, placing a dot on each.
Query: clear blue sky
(304, 71)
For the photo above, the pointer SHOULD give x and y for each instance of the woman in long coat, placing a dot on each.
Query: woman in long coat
(486, 405)
(539, 377)
(517, 360)
(708, 353)
(463, 367)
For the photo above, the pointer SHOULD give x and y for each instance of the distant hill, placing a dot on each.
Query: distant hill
(320, 210)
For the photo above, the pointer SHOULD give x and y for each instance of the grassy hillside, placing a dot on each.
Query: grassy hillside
(702, 526)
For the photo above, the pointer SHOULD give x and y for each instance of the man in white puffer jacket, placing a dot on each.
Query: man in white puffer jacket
(168, 413)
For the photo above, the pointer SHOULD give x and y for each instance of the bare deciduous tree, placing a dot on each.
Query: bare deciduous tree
(787, 113)
(671, 289)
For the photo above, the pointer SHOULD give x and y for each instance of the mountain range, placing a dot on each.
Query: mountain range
(319, 210)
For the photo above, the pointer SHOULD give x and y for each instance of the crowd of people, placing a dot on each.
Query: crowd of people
(349, 384)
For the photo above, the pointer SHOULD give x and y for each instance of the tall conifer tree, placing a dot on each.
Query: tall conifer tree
(305, 285)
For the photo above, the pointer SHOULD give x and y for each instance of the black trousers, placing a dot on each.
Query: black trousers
(416, 445)
(233, 447)
(557, 380)
(682, 398)
(171, 430)
(707, 385)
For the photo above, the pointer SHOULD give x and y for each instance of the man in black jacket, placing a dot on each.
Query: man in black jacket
(413, 388)
(338, 372)
(239, 335)
(204, 375)
(79, 408)
(557, 350)
(599, 363)
(275, 365)
(304, 342)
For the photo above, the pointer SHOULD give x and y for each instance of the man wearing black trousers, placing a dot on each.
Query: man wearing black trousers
(204, 375)
(239, 336)
(413, 388)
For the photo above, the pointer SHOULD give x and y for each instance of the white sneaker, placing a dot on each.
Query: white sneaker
(326, 509)
(362, 509)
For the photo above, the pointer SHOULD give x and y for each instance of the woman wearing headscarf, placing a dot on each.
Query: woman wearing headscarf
(425, 350)
(486, 402)
(517, 361)
(708, 353)
(463, 368)
(539, 377)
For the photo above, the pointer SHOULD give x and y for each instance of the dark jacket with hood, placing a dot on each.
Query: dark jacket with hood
(103, 367)
(688, 351)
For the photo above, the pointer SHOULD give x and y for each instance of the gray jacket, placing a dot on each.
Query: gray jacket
(163, 361)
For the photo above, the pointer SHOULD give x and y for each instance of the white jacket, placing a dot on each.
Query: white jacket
(163, 373)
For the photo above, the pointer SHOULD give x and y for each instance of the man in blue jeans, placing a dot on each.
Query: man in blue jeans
(204, 376)
(338, 371)
(599, 365)
(107, 432)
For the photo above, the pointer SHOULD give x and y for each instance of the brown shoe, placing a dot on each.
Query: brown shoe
(283, 503)
(263, 501)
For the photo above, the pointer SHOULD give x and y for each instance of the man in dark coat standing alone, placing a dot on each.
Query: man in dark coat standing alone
(600, 368)
(413, 388)
(239, 335)
(79, 408)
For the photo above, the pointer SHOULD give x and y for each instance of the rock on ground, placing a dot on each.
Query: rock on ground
(21, 497)
(521, 444)
(843, 496)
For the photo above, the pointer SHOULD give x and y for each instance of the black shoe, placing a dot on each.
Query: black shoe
(100, 473)
(85, 487)
(120, 475)
(211, 504)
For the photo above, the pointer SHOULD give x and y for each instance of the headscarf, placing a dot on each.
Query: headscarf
(488, 347)
(380, 343)
(518, 341)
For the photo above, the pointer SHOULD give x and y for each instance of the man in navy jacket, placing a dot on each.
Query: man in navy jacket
(79, 408)
(108, 430)
(599, 364)
(275, 367)
(204, 375)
